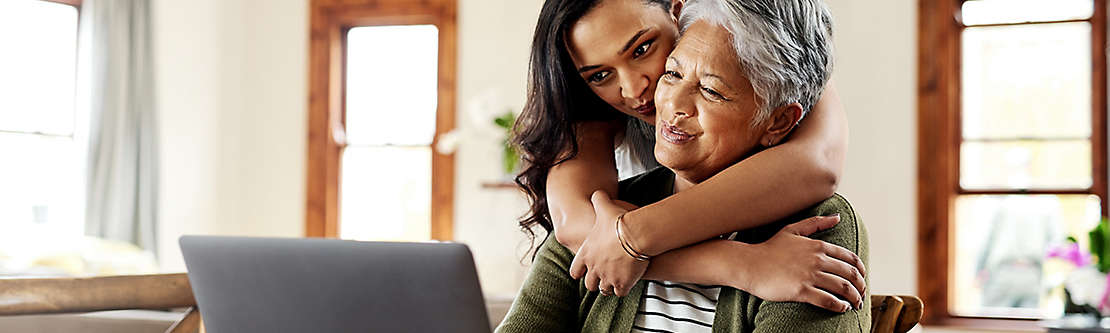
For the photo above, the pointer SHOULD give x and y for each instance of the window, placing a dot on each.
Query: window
(1012, 151)
(42, 143)
(390, 124)
(382, 91)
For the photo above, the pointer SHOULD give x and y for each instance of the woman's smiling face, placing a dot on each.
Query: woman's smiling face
(706, 106)
(620, 48)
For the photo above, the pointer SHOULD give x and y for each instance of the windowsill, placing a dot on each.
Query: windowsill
(986, 325)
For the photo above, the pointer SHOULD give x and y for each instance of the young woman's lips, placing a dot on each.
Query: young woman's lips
(647, 109)
(675, 135)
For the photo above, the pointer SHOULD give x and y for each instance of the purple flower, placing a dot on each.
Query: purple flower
(1071, 253)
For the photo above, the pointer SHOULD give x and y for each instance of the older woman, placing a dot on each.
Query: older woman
(743, 74)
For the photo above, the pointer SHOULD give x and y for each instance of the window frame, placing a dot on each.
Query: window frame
(938, 151)
(329, 22)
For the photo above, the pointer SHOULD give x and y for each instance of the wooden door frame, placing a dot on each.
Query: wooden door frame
(938, 86)
(329, 21)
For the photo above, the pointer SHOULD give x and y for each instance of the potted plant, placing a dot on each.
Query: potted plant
(510, 160)
(1087, 288)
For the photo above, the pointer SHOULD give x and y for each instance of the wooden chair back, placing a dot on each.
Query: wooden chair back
(895, 313)
(78, 295)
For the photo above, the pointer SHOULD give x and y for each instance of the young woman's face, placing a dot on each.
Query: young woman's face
(620, 48)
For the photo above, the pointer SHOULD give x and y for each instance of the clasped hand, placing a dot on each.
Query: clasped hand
(601, 259)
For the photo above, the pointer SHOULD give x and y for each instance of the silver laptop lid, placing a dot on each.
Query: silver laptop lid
(321, 285)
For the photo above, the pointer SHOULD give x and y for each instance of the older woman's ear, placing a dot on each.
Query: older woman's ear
(780, 123)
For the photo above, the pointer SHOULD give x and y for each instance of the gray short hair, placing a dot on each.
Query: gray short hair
(784, 46)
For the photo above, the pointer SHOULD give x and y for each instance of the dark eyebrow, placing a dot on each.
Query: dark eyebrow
(632, 40)
(587, 68)
(627, 45)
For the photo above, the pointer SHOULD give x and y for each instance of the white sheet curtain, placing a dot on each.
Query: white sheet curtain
(122, 179)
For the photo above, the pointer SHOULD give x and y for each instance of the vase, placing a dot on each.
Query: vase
(1071, 308)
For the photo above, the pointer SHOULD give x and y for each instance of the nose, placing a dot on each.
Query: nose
(633, 86)
(673, 102)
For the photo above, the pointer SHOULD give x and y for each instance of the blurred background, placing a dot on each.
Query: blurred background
(126, 124)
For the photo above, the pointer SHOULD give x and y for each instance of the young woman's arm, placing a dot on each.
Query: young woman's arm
(789, 267)
(785, 268)
(569, 184)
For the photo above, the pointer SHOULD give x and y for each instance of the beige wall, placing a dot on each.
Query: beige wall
(232, 111)
(876, 76)
(494, 39)
(232, 96)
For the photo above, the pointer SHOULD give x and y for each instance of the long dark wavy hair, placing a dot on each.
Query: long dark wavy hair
(558, 98)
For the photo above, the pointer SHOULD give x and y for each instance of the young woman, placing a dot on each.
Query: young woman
(590, 57)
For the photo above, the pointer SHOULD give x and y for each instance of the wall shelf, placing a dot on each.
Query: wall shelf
(499, 185)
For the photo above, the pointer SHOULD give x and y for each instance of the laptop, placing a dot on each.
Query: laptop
(246, 285)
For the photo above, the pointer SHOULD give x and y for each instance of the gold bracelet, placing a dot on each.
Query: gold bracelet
(628, 248)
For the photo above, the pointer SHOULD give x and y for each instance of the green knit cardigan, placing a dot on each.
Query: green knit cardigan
(552, 301)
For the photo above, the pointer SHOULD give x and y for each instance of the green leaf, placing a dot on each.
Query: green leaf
(509, 158)
(506, 120)
(1100, 245)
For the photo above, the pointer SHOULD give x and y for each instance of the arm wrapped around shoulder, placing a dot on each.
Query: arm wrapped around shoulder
(850, 234)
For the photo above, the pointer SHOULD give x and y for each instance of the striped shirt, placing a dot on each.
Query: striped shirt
(676, 307)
